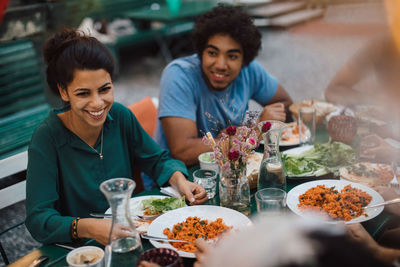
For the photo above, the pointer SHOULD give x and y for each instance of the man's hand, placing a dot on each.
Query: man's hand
(378, 148)
(360, 235)
(203, 249)
(194, 193)
(388, 194)
(274, 111)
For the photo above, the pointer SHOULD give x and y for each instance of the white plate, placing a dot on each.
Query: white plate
(168, 220)
(293, 198)
(136, 208)
(135, 204)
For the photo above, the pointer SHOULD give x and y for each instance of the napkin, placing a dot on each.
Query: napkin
(170, 191)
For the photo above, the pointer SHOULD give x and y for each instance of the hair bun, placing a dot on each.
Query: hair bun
(55, 44)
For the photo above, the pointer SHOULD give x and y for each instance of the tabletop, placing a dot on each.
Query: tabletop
(187, 10)
(57, 255)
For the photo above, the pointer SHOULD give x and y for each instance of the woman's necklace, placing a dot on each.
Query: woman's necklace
(101, 146)
(92, 147)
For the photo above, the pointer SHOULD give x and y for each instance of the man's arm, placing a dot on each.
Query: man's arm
(341, 89)
(181, 135)
(278, 107)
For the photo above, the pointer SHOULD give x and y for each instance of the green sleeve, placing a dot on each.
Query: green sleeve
(153, 160)
(43, 220)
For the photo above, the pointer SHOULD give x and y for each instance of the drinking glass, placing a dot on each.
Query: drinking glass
(162, 257)
(208, 180)
(307, 125)
(234, 193)
(270, 201)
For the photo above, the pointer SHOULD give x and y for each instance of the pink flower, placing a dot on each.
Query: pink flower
(231, 130)
(233, 155)
(252, 141)
(266, 126)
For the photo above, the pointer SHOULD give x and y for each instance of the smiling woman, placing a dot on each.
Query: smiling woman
(90, 140)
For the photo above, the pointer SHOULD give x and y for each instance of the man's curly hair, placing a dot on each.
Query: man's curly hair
(225, 19)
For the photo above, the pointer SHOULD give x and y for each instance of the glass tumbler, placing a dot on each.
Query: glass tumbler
(208, 180)
(270, 201)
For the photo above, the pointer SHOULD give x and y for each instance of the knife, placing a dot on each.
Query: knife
(38, 261)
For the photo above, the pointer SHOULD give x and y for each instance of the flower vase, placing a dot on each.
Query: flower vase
(271, 174)
(234, 191)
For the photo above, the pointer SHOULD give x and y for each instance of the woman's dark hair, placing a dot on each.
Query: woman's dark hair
(70, 50)
(229, 20)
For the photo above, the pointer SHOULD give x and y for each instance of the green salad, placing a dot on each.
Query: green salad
(155, 206)
(319, 160)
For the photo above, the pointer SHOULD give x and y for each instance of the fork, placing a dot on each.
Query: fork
(109, 215)
(394, 183)
(145, 236)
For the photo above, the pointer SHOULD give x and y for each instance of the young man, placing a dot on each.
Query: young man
(209, 91)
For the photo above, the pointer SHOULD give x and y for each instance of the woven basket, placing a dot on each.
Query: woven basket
(342, 128)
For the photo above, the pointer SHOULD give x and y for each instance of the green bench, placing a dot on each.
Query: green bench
(22, 108)
(144, 33)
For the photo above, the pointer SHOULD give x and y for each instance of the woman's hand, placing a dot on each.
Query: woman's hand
(274, 111)
(194, 193)
(99, 230)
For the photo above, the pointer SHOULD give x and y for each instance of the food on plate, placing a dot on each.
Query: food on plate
(370, 174)
(319, 160)
(290, 134)
(342, 128)
(156, 206)
(193, 228)
(344, 205)
(322, 109)
(253, 168)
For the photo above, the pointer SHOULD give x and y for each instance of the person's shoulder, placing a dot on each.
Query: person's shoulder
(188, 63)
(50, 127)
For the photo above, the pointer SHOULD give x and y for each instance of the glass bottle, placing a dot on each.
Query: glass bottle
(271, 174)
(124, 240)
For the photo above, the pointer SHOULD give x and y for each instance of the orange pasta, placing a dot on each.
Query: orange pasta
(344, 205)
(194, 228)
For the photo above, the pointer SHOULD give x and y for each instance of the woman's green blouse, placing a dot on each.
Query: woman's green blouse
(64, 173)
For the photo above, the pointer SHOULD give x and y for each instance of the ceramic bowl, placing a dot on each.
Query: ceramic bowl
(86, 256)
(207, 162)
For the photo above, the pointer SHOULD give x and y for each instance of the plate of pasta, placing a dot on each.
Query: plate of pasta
(334, 200)
(192, 222)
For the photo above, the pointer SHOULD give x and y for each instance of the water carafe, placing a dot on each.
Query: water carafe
(124, 240)
(271, 174)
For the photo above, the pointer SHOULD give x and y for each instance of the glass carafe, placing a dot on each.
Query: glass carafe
(124, 240)
(271, 174)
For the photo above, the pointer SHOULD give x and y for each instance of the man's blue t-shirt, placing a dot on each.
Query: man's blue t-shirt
(185, 94)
